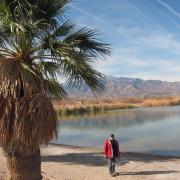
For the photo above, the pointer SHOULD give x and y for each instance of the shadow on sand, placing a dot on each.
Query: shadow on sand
(90, 159)
(145, 173)
(97, 159)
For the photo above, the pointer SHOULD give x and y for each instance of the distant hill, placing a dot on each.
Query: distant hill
(129, 88)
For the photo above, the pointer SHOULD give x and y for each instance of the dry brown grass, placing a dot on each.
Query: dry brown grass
(168, 101)
(75, 107)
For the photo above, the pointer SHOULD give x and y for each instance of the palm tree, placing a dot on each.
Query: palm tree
(38, 46)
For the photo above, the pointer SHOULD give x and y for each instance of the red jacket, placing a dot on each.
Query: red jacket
(108, 151)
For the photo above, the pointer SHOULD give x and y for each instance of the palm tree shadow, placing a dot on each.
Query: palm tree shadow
(97, 159)
(90, 159)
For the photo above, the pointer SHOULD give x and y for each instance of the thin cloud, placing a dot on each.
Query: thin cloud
(86, 13)
(97, 18)
(169, 8)
(113, 25)
(133, 55)
(129, 30)
(149, 76)
(163, 13)
(146, 17)
(162, 41)
(158, 67)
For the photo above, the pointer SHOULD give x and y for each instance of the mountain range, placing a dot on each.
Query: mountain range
(123, 87)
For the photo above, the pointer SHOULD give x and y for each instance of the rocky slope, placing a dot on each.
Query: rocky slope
(129, 88)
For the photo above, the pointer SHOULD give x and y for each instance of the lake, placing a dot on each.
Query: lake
(154, 130)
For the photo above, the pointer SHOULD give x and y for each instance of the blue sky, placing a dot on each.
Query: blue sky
(144, 35)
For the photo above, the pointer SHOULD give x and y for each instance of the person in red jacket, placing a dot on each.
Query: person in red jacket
(111, 151)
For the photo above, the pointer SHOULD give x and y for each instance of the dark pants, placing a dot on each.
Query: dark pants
(112, 163)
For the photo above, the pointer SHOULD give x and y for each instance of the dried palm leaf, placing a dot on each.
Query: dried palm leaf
(16, 75)
(7, 116)
(35, 123)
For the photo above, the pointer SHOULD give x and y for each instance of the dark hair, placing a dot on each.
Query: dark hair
(112, 135)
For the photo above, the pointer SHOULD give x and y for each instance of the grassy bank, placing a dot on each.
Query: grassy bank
(75, 107)
(93, 109)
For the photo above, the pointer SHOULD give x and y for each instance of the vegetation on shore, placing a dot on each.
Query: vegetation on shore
(73, 107)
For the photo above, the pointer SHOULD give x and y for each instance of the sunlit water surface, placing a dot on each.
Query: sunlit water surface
(149, 130)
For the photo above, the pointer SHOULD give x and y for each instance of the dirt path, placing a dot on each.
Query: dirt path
(71, 163)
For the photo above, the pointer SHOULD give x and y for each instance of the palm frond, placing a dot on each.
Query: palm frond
(32, 14)
(63, 30)
(85, 41)
(77, 69)
(49, 69)
(54, 89)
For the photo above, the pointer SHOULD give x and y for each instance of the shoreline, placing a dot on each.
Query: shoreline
(64, 162)
(73, 108)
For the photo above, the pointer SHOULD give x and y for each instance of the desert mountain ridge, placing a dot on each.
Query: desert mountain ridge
(124, 87)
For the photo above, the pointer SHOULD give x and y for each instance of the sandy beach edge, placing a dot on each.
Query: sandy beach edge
(66, 162)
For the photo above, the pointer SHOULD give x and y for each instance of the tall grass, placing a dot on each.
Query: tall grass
(70, 107)
(92, 109)
(170, 101)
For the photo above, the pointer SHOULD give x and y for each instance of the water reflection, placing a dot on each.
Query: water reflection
(154, 130)
(123, 118)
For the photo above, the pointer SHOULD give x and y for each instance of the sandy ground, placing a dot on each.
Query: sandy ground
(74, 163)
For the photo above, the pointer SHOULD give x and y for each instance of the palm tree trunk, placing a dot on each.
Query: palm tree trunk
(24, 167)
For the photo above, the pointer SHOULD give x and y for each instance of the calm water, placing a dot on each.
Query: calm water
(148, 130)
